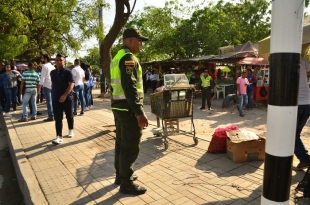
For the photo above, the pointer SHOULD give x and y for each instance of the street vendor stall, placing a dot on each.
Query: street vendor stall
(174, 101)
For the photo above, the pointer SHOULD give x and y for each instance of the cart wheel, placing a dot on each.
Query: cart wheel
(166, 145)
(195, 140)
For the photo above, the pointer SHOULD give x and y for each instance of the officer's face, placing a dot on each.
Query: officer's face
(136, 45)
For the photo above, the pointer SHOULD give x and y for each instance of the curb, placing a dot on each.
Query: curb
(27, 180)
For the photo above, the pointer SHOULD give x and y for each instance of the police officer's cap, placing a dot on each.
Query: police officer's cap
(132, 32)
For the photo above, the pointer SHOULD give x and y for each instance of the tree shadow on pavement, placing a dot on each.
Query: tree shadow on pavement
(97, 179)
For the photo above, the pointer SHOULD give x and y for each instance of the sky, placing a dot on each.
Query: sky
(108, 16)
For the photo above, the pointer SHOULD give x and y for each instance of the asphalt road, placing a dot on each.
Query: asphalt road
(10, 193)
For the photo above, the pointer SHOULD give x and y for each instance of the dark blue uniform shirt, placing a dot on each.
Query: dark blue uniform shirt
(60, 79)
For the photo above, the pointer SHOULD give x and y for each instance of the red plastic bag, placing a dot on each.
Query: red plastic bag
(218, 141)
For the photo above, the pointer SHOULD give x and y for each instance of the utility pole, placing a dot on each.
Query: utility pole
(100, 39)
(285, 48)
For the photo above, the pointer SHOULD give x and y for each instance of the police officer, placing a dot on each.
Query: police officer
(127, 107)
(206, 85)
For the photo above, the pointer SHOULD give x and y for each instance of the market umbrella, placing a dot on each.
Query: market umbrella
(224, 69)
(264, 45)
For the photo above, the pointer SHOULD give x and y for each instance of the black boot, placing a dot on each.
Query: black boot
(133, 189)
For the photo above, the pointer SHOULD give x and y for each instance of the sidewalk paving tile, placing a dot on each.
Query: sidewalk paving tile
(81, 170)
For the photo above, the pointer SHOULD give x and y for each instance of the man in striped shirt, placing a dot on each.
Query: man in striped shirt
(30, 79)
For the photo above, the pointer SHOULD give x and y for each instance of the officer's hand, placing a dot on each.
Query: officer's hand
(142, 121)
(62, 98)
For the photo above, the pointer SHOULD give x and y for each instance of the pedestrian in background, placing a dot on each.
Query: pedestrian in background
(78, 77)
(62, 99)
(242, 84)
(46, 84)
(303, 114)
(206, 84)
(30, 80)
(154, 79)
(87, 89)
(2, 93)
(91, 84)
(9, 80)
(250, 89)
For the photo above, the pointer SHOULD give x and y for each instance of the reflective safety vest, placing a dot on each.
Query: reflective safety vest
(189, 75)
(116, 84)
(205, 82)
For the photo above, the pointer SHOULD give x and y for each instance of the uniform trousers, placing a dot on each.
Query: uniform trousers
(127, 145)
(206, 93)
(58, 109)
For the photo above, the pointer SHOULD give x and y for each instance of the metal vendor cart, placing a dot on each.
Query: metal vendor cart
(173, 102)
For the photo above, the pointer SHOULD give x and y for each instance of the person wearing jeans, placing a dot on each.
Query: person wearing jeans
(30, 79)
(30, 94)
(242, 101)
(242, 83)
(87, 95)
(9, 80)
(250, 89)
(79, 90)
(48, 98)
(87, 89)
(2, 93)
(78, 75)
(10, 95)
(45, 82)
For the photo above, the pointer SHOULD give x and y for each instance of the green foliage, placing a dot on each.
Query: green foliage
(92, 59)
(30, 28)
(207, 29)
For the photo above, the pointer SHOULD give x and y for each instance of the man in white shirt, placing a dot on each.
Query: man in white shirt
(78, 75)
(154, 79)
(47, 85)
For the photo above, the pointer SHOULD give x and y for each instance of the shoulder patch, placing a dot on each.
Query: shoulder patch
(130, 63)
(129, 70)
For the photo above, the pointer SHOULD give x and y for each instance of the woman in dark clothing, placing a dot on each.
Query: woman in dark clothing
(2, 93)
(91, 84)
(87, 90)
(9, 80)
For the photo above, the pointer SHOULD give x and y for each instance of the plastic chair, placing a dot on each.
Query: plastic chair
(218, 90)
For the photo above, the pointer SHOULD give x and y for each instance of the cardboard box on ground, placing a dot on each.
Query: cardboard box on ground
(245, 146)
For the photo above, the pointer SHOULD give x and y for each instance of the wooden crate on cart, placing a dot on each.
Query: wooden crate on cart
(170, 105)
(174, 103)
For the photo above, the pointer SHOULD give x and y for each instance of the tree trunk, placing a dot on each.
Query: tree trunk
(120, 20)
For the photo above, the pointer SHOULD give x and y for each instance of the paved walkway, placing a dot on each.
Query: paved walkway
(81, 171)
